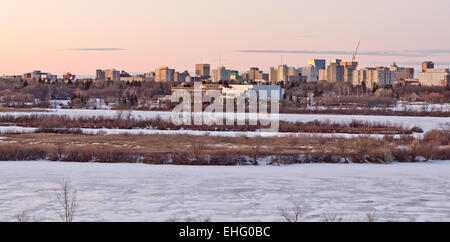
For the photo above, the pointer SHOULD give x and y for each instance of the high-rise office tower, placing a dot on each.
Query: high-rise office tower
(203, 70)
(318, 63)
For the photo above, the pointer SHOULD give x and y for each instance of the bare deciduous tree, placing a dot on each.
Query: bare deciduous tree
(67, 199)
(25, 218)
(256, 153)
(371, 217)
(331, 218)
(197, 150)
(292, 215)
(198, 219)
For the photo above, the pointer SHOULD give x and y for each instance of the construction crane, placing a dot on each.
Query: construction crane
(356, 52)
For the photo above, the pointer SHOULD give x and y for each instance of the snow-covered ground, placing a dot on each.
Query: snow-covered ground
(104, 131)
(400, 106)
(137, 192)
(16, 130)
(421, 106)
(227, 133)
(426, 123)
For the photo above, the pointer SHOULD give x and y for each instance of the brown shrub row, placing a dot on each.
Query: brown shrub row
(362, 150)
(441, 137)
(364, 101)
(50, 124)
(19, 152)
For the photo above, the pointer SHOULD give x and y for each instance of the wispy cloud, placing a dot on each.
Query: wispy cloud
(95, 49)
(402, 53)
(309, 36)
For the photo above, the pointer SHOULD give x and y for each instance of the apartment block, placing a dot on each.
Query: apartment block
(435, 77)
(322, 75)
(107, 75)
(182, 76)
(311, 73)
(335, 72)
(403, 73)
(112, 75)
(284, 74)
(39, 75)
(100, 75)
(255, 74)
(374, 77)
(164, 74)
(220, 74)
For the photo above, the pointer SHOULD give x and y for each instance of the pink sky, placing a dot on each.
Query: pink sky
(67, 36)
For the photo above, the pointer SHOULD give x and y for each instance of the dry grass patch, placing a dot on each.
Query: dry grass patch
(210, 150)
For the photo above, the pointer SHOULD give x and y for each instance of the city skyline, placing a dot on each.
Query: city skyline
(193, 71)
(140, 36)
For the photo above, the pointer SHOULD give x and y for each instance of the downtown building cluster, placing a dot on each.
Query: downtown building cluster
(316, 70)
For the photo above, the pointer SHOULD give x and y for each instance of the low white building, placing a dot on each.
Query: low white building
(133, 78)
(234, 91)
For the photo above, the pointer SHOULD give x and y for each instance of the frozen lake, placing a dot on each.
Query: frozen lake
(137, 192)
